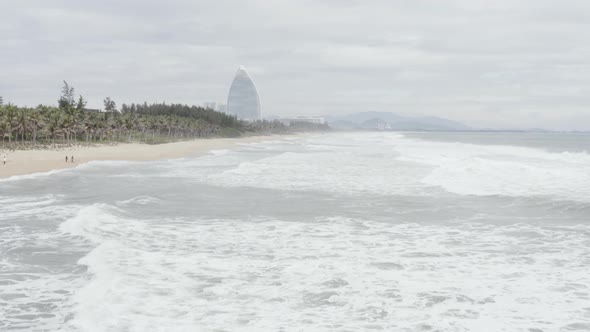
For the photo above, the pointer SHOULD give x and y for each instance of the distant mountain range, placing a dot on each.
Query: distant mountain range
(391, 121)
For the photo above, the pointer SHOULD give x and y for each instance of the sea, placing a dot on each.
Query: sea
(359, 231)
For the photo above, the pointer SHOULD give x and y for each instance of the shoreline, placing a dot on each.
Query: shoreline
(26, 162)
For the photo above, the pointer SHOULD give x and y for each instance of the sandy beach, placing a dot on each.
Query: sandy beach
(35, 161)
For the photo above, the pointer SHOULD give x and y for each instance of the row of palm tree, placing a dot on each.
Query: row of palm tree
(23, 126)
(45, 124)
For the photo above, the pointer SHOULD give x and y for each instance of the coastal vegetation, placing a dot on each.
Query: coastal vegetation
(71, 123)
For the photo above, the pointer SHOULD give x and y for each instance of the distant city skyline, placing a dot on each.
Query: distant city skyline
(488, 64)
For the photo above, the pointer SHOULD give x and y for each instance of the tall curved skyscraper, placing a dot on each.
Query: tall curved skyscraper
(243, 100)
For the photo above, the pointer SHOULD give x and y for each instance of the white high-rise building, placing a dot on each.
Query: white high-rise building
(243, 100)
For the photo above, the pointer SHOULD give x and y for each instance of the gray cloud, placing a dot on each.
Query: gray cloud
(488, 63)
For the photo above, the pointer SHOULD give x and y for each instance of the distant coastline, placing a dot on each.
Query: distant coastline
(532, 131)
(388, 121)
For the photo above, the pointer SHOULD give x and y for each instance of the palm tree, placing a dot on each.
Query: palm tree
(75, 123)
(129, 121)
(64, 126)
(119, 123)
(87, 125)
(4, 127)
(53, 123)
(113, 123)
(35, 123)
(22, 123)
(10, 118)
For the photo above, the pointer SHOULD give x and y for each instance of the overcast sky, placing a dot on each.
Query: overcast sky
(494, 63)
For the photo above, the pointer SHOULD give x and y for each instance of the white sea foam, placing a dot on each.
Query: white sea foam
(390, 164)
(340, 172)
(31, 298)
(139, 200)
(469, 169)
(328, 274)
(10, 200)
(84, 166)
(219, 152)
(102, 164)
(32, 207)
(33, 175)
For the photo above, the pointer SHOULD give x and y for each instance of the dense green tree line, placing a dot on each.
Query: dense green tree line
(184, 111)
(71, 123)
(45, 124)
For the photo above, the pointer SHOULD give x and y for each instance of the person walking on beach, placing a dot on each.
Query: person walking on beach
(66, 159)
(4, 160)
(72, 159)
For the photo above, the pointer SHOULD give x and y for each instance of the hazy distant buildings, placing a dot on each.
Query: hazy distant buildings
(382, 125)
(219, 107)
(301, 119)
(243, 100)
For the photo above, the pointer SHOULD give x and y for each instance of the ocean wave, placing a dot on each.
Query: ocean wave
(38, 270)
(139, 200)
(34, 175)
(469, 169)
(331, 273)
(219, 152)
(338, 172)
